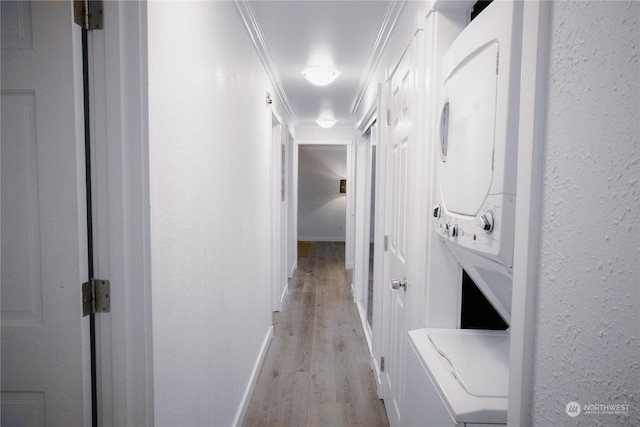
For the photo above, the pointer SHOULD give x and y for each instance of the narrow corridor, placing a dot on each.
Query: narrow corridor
(316, 371)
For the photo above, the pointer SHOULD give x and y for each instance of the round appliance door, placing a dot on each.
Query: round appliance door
(467, 131)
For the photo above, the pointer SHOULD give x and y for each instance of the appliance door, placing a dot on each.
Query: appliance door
(467, 132)
(423, 405)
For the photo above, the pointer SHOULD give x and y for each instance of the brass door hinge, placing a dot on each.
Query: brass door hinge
(88, 14)
(96, 297)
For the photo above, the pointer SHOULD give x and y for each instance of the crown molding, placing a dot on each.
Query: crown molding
(386, 29)
(257, 37)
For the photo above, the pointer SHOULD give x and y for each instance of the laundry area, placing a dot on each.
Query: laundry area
(418, 213)
(465, 372)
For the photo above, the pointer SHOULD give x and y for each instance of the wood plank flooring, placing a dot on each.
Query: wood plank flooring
(316, 371)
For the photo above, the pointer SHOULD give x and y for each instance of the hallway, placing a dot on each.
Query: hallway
(316, 371)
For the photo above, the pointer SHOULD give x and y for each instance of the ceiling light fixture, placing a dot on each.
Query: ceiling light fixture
(320, 76)
(326, 122)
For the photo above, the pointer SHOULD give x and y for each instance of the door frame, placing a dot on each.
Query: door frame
(374, 334)
(278, 255)
(348, 143)
(120, 151)
(290, 206)
(536, 40)
(361, 235)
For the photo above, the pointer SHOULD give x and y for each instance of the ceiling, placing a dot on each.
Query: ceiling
(293, 35)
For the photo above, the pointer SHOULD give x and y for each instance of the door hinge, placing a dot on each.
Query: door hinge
(386, 243)
(388, 117)
(88, 14)
(382, 364)
(96, 297)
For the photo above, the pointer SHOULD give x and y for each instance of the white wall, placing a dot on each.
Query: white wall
(321, 207)
(210, 210)
(336, 133)
(588, 328)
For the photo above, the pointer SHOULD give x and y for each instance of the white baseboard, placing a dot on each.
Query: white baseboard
(284, 294)
(377, 376)
(246, 398)
(362, 311)
(373, 360)
(294, 267)
(321, 239)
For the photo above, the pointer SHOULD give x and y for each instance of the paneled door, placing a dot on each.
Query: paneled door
(399, 142)
(44, 249)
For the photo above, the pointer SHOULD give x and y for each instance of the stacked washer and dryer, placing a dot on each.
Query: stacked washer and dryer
(458, 377)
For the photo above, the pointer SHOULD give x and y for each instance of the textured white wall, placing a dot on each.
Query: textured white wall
(321, 207)
(209, 159)
(588, 327)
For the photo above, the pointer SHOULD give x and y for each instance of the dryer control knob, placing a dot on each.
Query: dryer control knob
(486, 221)
(436, 211)
(454, 231)
(446, 229)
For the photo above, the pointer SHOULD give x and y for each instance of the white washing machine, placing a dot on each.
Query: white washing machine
(460, 378)
(456, 376)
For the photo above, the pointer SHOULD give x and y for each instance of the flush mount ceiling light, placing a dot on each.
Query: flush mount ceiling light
(326, 122)
(320, 76)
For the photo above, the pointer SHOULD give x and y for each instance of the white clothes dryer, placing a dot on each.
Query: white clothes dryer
(478, 134)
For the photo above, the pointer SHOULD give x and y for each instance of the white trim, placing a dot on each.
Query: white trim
(294, 267)
(292, 216)
(246, 397)
(276, 209)
(350, 218)
(371, 115)
(362, 314)
(353, 293)
(389, 22)
(276, 115)
(283, 296)
(324, 141)
(122, 217)
(322, 239)
(257, 37)
(535, 48)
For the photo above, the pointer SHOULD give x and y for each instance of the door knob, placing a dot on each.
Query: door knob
(397, 284)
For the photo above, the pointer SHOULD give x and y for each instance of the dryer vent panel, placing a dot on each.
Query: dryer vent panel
(477, 8)
(477, 312)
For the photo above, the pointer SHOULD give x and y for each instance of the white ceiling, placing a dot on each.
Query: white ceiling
(298, 34)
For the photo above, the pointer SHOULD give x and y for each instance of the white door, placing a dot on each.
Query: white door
(43, 218)
(399, 141)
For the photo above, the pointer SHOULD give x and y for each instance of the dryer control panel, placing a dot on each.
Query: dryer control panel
(482, 233)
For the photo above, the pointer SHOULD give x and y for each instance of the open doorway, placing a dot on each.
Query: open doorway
(365, 201)
(322, 207)
(372, 222)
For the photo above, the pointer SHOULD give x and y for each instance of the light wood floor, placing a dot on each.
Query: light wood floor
(316, 371)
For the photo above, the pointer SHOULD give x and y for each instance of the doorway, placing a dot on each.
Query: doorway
(366, 171)
(322, 207)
